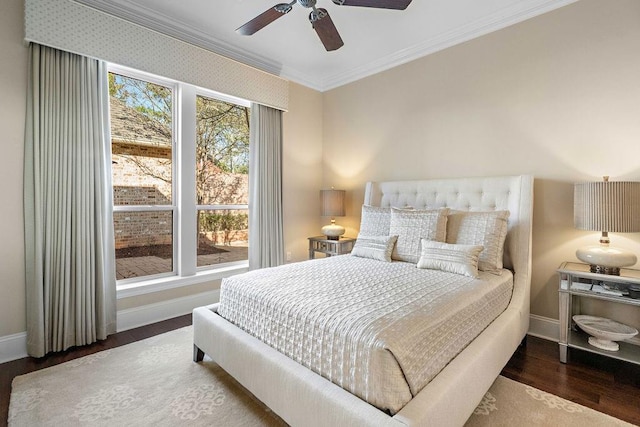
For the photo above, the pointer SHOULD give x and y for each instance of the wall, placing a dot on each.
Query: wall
(302, 176)
(13, 81)
(557, 96)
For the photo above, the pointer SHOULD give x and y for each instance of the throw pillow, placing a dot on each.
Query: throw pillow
(458, 259)
(374, 221)
(412, 225)
(374, 247)
(488, 229)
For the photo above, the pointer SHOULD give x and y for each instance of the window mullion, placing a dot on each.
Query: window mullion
(186, 164)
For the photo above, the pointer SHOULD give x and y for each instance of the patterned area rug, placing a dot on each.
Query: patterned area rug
(510, 403)
(154, 382)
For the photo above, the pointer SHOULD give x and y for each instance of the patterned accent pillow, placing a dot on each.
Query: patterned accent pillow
(458, 259)
(374, 221)
(374, 247)
(412, 225)
(488, 229)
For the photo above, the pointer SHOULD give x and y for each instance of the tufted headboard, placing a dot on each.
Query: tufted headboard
(512, 193)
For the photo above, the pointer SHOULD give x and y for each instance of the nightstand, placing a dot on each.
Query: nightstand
(330, 247)
(577, 282)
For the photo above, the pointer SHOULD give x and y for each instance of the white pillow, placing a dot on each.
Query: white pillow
(374, 221)
(488, 229)
(374, 247)
(412, 225)
(459, 259)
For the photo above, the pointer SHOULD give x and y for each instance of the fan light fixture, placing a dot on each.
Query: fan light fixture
(607, 206)
(319, 18)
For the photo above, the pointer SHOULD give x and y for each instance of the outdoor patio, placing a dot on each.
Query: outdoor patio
(149, 265)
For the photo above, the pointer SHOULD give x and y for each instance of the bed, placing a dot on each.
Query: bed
(303, 397)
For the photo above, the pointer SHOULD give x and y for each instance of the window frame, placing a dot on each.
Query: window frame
(185, 271)
(232, 100)
(173, 86)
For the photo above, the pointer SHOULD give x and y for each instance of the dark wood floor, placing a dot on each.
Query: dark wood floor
(600, 383)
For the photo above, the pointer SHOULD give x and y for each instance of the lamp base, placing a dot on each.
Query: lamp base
(604, 259)
(333, 231)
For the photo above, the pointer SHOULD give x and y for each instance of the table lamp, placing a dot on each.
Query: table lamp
(607, 207)
(332, 203)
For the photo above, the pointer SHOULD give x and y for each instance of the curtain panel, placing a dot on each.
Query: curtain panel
(266, 241)
(70, 275)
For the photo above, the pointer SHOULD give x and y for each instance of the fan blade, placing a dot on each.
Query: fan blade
(381, 4)
(264, 19)
(322, 23)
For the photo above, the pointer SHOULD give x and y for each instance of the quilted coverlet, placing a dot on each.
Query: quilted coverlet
(380, 330)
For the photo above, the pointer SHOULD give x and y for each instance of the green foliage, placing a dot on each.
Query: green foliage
(222, 135)
(150, 99)
(223, 222)
(115, 88)
(227, 222)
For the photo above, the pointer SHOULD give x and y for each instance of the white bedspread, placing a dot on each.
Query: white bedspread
(380, 330)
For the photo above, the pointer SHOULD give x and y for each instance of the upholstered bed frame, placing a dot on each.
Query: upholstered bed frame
(303, 398)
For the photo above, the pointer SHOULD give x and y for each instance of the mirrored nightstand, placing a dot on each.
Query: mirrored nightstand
(330, 247)
(577, 282)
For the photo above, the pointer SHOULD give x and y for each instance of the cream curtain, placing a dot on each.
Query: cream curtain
(70, 275)
(266, 247)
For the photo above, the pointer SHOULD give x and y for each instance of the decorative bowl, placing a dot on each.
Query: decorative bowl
(604, 331)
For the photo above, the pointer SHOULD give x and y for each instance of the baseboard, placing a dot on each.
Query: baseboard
(157, 312)
(13, 347)
(544, 327)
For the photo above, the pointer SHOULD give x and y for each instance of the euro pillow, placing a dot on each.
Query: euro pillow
(458, 259)
(374, 247)
(374, 221)
(412, 225)
(488, 229)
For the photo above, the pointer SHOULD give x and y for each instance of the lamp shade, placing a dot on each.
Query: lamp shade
(607, 206)
(332, 202)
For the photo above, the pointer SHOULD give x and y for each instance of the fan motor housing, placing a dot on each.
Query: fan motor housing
(307, 3)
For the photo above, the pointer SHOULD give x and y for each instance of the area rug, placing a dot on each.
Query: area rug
(155, 383)
(510, 403)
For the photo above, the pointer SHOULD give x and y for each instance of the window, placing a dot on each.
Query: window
(222, 180)
(162, 227)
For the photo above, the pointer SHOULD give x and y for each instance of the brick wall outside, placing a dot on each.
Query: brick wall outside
(141, 175)
(142, 229)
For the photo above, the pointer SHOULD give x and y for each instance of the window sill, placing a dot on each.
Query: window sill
(165, 283)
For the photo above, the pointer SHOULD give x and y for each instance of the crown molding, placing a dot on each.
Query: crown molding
(296, 76)
(163, 24)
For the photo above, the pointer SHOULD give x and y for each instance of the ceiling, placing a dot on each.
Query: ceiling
(374, 39)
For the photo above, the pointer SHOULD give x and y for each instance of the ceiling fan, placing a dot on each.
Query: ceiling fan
(319, 18)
